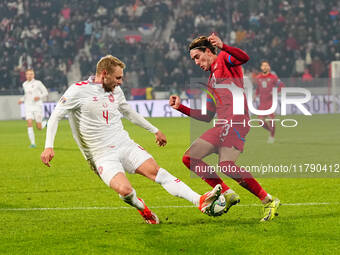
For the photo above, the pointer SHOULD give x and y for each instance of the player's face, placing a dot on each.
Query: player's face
(113, 79)
(29, 75)
(202, 59)
(265, 67)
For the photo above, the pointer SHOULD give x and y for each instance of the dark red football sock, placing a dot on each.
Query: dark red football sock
(266, 126)
(245, 179)
(200, 168)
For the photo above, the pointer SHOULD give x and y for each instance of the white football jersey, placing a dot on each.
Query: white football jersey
(95, 118)
(32, 89)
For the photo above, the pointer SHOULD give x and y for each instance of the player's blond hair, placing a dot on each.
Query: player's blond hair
(202, 43)
(29, 70)
(108, 63)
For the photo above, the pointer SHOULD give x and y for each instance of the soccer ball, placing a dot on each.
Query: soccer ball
(217, 207)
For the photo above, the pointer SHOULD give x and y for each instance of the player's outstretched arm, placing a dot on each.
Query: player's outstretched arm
(68, 102)
(132, 115)
(175, 102)
(139, 120)
(136, 118)
(52, 127)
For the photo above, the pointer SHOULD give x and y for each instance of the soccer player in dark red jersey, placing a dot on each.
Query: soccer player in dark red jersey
(227, 138)
(265, 83)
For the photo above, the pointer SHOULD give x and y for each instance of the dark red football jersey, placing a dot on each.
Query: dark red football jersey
(265, 85)
(226, 76)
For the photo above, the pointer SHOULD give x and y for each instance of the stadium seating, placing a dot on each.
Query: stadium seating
(152, 37)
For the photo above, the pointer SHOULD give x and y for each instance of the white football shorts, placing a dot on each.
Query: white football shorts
(124, 159)
(34, 113)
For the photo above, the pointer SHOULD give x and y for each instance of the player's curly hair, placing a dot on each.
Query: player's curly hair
(108, 63)
(202, 43)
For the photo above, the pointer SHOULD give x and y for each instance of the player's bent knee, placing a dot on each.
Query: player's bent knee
(149, 169)
(153, 172)
(124, 190)
(120, 184)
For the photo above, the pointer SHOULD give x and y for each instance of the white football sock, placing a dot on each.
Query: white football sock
(132, 199)
(31, 135)
(267, 199)
(228, 191)
(176, 187)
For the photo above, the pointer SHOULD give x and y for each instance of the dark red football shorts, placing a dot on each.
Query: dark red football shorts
(226, 136)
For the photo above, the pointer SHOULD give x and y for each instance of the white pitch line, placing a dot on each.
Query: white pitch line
(165, 206)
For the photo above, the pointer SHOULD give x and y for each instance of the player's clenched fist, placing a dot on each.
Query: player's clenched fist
(174, 101)
(46, 156)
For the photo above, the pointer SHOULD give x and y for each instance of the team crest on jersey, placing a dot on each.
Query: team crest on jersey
(95, 99)
(111, 98)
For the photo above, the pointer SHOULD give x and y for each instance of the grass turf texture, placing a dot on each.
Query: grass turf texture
(26, 183)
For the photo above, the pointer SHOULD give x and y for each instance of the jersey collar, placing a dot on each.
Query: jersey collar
(92, 79)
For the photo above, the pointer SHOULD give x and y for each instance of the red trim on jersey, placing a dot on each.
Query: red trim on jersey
(81, 83)
(140, 147)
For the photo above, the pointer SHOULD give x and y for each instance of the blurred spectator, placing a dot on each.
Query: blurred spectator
(66, 12)
(317, 67)
(307, 77)
(299, 66)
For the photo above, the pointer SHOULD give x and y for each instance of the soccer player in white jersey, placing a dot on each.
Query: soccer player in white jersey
(94, 108)
(35, 92)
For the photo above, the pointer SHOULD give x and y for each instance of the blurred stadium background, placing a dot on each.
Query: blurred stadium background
(62, 40)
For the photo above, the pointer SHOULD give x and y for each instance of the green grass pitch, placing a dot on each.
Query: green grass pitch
(93, 222)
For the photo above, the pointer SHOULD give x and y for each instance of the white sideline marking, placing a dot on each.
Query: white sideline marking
(165, 206)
